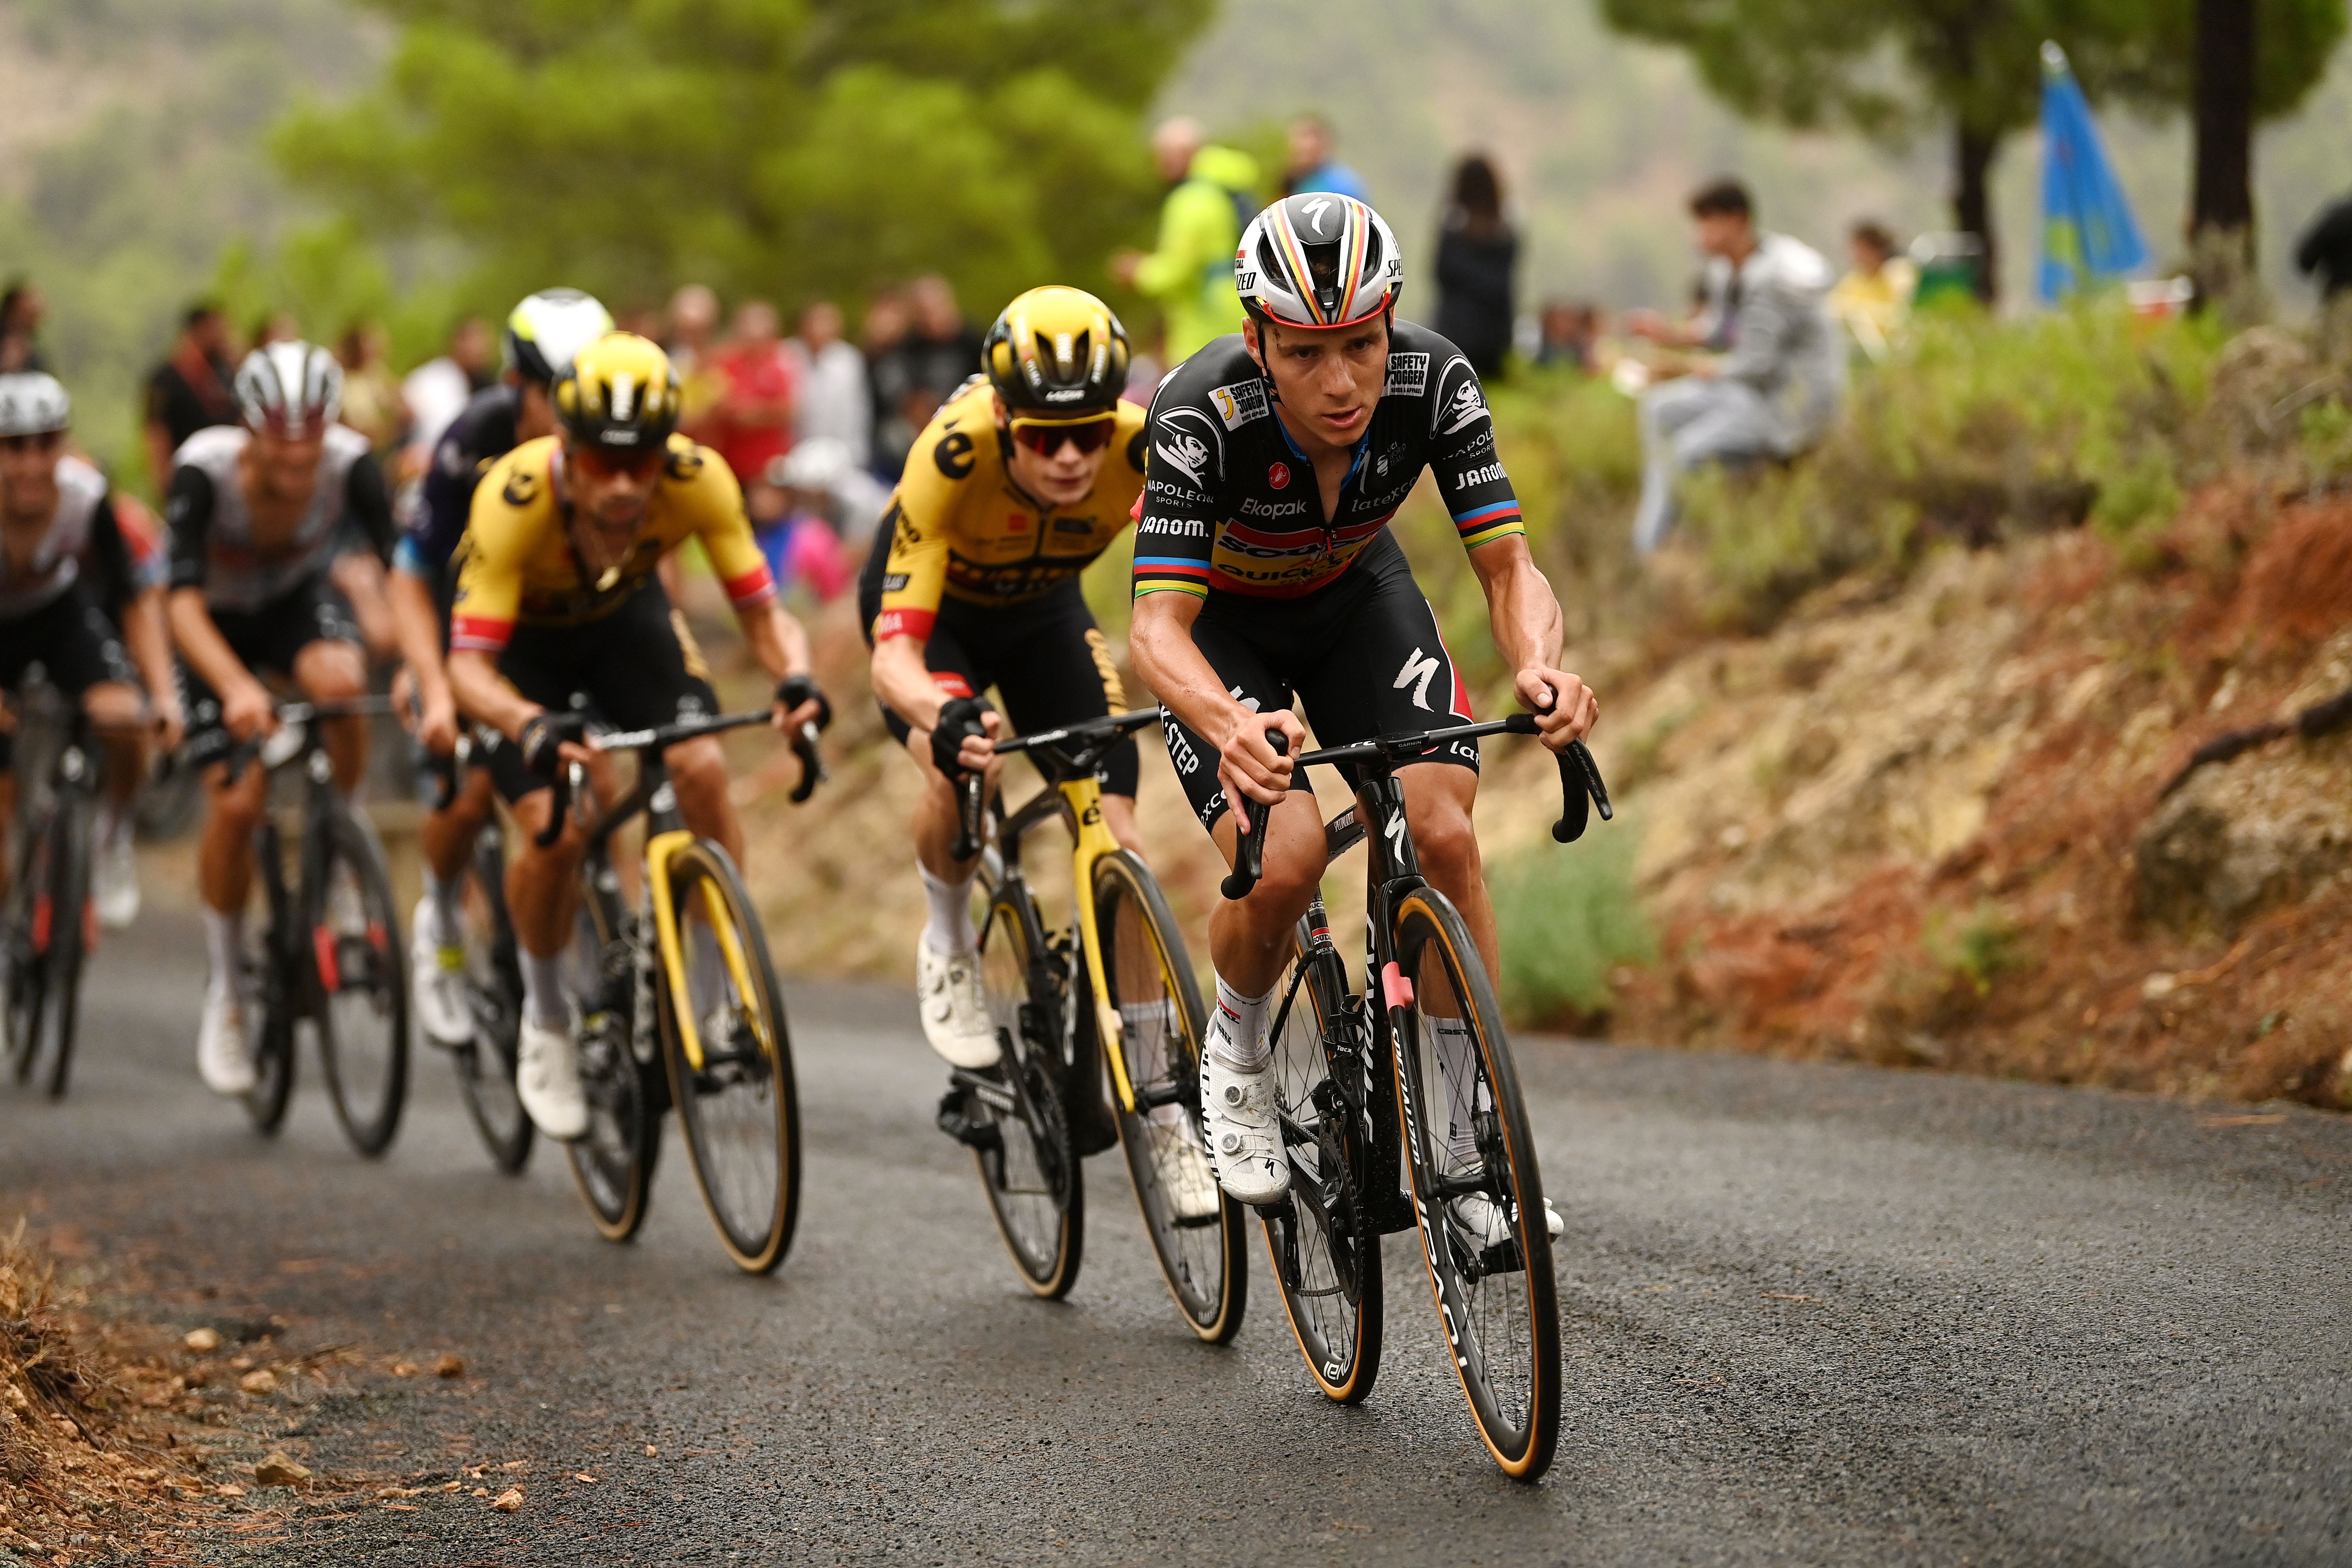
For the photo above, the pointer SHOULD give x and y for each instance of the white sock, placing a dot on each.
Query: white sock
(355, 798)
(1237, 1029)
(542, 992)
(1457, 1059)
(224, 944)
(948, 930)
(448, 931)
(114, 823)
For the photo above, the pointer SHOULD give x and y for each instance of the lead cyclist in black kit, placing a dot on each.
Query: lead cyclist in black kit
(1265, 571)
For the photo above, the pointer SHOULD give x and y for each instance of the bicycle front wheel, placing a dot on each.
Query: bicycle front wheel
(740, 1107)
(1325, 1254)
(45, 979)
(361, 967)
(486, 1065)
(1028, 1160)
(268, 979)
(1197, 1231)
(1476, 1189)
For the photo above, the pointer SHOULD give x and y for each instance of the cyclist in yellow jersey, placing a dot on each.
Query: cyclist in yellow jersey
(1020, 480)
(557, 594)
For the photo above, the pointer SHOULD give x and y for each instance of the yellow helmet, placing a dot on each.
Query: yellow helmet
(619, 394)
(1057, 353)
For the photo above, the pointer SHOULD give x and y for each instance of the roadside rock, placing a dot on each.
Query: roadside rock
(2268, 828)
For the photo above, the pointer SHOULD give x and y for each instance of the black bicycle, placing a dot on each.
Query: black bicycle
(1117, 988)
(1406, 1111)
(493, 988)
(678, 1005)
(51, 924)
(321, 938)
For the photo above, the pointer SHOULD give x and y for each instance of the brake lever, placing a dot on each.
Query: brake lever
(971, 793)
(812, 773)
(1249, 839)
(567, 780)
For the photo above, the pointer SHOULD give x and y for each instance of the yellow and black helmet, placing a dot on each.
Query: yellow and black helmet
(1057, 353)
(620, 394)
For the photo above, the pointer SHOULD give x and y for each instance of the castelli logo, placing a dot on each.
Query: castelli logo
(1278, 475)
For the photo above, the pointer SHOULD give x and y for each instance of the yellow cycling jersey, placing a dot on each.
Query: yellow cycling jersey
(517, 563)
(959, 526)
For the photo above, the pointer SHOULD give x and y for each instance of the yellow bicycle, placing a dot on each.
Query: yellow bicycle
(1115, 989)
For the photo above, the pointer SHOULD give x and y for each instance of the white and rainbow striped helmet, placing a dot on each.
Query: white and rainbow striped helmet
(1318, 261)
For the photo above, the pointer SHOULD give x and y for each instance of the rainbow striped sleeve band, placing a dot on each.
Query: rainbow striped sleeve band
(1171, 574)
(1483, 526)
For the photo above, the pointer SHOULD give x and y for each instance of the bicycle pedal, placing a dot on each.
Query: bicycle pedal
(971, 1134)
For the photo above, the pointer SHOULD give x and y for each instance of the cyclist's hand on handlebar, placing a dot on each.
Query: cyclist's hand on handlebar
(247, 712)
(169, 723)
(964, 738)
(549, 741)
(798, 702)
(436, 726)
(1564, 707)
(1247, 766)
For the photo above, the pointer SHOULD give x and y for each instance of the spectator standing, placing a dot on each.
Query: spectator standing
(1212, 193)
(1310, 165)
(693, 321)
(273, 327)
(835, 405)
(436, 392)
(1477, 255)
(1874, 300)
(1777, 369)
(190, 390)
(371, 391)
(888, 320)
(21, 308)
(751, 426)
(935, 353)
(2325, 252)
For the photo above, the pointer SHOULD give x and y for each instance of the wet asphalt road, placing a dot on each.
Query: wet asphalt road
(1812, 1315)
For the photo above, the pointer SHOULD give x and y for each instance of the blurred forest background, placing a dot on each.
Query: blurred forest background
(268, 151)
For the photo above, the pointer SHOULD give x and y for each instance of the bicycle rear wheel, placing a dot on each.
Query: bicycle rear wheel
(360, 966)
(1029, 1164)
(266, 981)
(740, 1108)
(1325, 1254)
(1197, 1231)
(485, 1066)
(1456, 1079)
(614, 1160)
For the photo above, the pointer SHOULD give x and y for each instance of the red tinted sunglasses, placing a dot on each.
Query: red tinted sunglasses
(598, 463)
(1045, 439)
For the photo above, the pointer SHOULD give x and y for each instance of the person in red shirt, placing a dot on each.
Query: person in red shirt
(752, 425)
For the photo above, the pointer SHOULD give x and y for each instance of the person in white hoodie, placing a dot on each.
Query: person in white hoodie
(1774, 371)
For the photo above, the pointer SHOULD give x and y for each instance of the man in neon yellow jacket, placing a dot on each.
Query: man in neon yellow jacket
(1190, 274)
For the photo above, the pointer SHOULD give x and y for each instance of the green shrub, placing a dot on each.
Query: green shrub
(1568, 916)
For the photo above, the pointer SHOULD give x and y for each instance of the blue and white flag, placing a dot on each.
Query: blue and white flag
(2088, 236)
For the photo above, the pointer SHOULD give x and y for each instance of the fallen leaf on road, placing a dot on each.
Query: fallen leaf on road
(260, 1382)
(508, 1500)
(449, 1366)
(399, 1491)
(584, 1477)
(403, 1507)
(204, 1341)
(240, 1361)
(652, 1452)
(228, 1488)
(481, 1491)
(279, 1471)
(403, 1369)
(516, 1465)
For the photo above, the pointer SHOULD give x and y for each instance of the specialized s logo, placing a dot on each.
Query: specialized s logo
(1416, 674)
(953, 455)
(1315, 211)
(1467, 407)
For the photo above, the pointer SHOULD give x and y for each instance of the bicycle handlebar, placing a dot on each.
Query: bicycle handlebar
(1249, 838)
(219, 746)
(971, 791)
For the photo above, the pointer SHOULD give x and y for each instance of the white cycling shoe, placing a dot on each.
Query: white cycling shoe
(114, 877)
(547, 1081)
(955, 1009)
(223, 1059)
(1183, 1173)
(1488, 1223)
(437, 982)
(1243, 1136)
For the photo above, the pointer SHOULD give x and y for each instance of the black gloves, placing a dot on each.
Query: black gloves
(542, 734)
(795, 690)
(958, 718)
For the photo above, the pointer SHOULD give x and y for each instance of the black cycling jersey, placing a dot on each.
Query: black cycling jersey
(480, 435)
(212, 524)
(1230, 502)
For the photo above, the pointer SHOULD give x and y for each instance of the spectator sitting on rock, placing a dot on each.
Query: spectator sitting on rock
(1874, 300)
(1773, 372)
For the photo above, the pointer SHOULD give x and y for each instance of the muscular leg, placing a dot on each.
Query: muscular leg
(698, 771)
(337, 672)
(1248, 938)
(1118, 815)
(115, 708)
(448, 835)
(1437, 801)
(541, 884)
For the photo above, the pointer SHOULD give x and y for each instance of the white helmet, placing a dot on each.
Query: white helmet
(1318, 261)
(290, 388)
(33, 404)
(548, 328)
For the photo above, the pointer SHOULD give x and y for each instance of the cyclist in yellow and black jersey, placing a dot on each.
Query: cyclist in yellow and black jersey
(1020, 480)
(557, 594)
